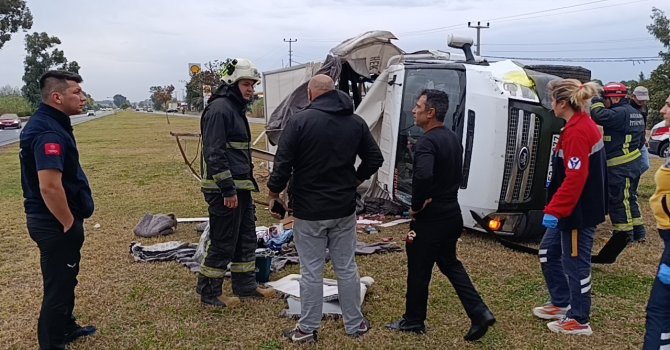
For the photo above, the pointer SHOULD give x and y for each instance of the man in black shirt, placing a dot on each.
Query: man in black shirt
(57, 199)
(437, 223)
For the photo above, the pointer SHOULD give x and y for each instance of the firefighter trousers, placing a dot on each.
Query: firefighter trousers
(624, 210)
(435, 243)
(232, 234)
(60, 254)
(565, 257)
(657, 334)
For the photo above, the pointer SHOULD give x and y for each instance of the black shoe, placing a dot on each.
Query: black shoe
(479, 329)
(404, 326)
(79, 332)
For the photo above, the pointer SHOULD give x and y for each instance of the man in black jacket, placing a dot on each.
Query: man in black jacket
(318, 147)
(227, 183)
(437, 222)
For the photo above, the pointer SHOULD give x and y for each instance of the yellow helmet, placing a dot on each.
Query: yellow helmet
(238, 69)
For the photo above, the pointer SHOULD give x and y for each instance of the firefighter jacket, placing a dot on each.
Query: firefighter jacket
(624, 131)
(226, 144)
(660, 201)
(578, 187)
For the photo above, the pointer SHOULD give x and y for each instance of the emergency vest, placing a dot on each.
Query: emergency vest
(624, 129)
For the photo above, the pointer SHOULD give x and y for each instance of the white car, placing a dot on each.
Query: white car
(658, 142)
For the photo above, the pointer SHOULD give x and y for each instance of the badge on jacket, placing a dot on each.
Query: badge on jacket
(574, 163)
(52, 149)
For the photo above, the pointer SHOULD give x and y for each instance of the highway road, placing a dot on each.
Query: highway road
(9, 136)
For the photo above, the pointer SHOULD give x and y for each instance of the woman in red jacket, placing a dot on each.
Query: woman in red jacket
(577, 204)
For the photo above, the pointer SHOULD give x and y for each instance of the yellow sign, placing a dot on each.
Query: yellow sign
(194, 68)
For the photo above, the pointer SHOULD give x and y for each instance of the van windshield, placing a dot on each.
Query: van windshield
(452, 82)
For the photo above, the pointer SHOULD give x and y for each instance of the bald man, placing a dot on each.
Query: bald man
(319, 146)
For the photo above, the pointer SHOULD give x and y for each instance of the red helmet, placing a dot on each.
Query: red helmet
(615, 90)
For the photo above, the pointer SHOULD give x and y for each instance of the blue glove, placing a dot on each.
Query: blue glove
(664, 274)
(549, 221)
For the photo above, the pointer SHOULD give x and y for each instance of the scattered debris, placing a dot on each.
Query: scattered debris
(187, 220)
(96, 226)
(395, 222)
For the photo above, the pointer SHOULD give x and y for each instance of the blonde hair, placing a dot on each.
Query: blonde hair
(577, 95)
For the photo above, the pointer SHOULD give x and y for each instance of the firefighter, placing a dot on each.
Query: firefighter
(577, 205)
(657, 335)
(623, 128)
(227, 183)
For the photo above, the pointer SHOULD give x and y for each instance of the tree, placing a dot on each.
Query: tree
(39, 60)
(120, 100)
(126, 105)
(160, 96)
(659, 80)
(209, 76)
(8, 90)
(14, 15)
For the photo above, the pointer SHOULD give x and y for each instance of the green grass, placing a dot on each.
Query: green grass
(135, 168)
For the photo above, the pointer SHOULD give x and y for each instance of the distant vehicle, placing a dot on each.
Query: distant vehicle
(90, 113)
(172, 110)
(137, 109)
(658, 142)
(10, 121)
(150, 110)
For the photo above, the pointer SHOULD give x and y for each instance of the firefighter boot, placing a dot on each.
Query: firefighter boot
(616, 244)
(210, 290)
(260, 293)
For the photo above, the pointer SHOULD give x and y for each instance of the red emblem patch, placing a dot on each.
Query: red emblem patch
(52, 149)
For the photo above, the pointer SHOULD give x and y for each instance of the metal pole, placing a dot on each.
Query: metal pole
(290, 51)
(479, 27)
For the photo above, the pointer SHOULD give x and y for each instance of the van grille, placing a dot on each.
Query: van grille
(523, 136)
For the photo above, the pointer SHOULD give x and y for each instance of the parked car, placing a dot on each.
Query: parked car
(171, 110)
(10, 120)
(90, 113)
(150, 110)
(658, 142)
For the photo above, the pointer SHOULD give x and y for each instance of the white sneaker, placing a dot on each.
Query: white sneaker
(550, 312)
(570, 326)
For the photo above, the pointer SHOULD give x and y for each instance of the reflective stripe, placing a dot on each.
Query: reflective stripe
(622, 227)
(607, 138)
(245, 185)
(542, 251)
(586, 280)
(575, 244)
(243, 266)
(238, 145)
(626, 144)
(623, 159)
(224, 175)
(664, 347)
(586, 289)
(597, 105)
(208, 184)
(626, 202)
(211, 272)
(638, 222)
(665, 336)
(543, 259)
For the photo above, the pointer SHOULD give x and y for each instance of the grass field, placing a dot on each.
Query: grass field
(135, 168)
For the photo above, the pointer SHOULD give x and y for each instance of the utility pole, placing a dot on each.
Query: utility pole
(479, 27)
(290, 51)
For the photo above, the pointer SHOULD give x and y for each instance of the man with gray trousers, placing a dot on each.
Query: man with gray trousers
(318, 148)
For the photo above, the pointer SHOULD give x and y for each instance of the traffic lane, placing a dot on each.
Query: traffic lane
(190, 115)
(9, 136)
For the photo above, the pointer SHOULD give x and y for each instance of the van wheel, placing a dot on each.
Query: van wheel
(663, 150)
(566, 72)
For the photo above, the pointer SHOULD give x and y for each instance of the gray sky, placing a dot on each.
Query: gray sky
(127, 46)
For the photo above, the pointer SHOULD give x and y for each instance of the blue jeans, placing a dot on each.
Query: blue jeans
(567, 272)
(658, 308)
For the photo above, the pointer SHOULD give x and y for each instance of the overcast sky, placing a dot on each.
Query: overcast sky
(126, 46)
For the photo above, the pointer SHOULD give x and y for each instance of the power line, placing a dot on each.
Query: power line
(548, 10)
(479, 27)
(568, 12)
(574, 42)
(290, 51)
(580, 50)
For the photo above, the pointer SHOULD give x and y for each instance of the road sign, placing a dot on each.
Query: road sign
(194, 68)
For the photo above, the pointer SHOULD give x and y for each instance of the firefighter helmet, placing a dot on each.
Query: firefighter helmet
(238, 69)
(615, 90)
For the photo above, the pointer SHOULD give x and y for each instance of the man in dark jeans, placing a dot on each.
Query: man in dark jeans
(437, 223)
(57, 200)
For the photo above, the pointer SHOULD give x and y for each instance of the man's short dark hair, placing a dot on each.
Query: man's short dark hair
(56, 80)
(439, 100)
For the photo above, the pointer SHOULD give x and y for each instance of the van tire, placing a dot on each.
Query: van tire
(567, 72)
(662, 151)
